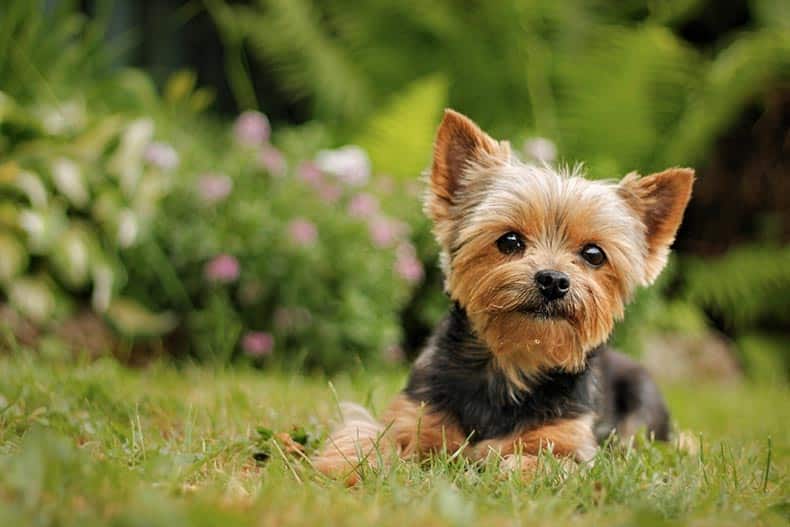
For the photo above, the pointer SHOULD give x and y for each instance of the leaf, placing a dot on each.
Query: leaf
(292, 36)
(399, 138)
(180, 86)
(621, 95)
(14, 258)
(264, 434)
(739, 72)
(33, 297)
(299, 435)
(745, 284)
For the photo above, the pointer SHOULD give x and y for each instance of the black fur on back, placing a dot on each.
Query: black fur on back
(458, 378)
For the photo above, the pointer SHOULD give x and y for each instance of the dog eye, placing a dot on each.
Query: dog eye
(593, 254)
(510, 243)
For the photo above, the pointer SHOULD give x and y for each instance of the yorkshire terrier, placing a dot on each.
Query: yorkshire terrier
(539, 264)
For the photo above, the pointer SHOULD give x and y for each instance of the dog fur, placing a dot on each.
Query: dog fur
(518, 365)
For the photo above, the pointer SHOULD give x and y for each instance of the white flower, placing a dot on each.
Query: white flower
(349, 164)
(540, 149)
(68, 180)
(14, 257)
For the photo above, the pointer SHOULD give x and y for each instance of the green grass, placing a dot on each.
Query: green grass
(94, 443)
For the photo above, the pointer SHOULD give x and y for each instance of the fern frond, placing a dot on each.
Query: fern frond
(738, 73)
(46, 51)
(618, 98)
(746, 284)
(291, 36)
(399, 138)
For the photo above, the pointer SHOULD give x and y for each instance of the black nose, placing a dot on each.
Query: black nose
(552, 284)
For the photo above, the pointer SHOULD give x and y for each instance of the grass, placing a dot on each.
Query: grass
(94, 443)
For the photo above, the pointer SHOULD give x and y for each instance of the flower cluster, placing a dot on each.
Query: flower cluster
(345, 193)
(246, 253)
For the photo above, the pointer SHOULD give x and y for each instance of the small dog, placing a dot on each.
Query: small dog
(539, 265)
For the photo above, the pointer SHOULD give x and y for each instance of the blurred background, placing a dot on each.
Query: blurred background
(239, 181)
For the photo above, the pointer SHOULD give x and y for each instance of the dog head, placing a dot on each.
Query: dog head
(544, 261)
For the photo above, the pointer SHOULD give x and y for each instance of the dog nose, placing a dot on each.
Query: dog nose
(552, 284)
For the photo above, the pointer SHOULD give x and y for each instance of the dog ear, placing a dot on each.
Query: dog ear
(460, 145)
(659, 200)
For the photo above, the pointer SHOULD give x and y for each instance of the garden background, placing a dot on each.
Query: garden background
(234, 187)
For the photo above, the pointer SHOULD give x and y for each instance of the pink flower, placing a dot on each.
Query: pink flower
(213, 188)
(161, 155)
(385, 232)
(252, 129)
(272, 160)
(222, 269)
(302, 232)
(349, 164)
(329, 192)
(310, 173)
(407, 265)
(257, 343)
(363, 205)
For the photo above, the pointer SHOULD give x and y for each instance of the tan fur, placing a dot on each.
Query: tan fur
(572, 438)
(412, 430)
(557, 214)
(460, 145)
(417, 429)
(407, 429)
(659, 200)
(359, 440)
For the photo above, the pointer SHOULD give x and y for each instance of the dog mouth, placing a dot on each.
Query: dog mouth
(546, 311)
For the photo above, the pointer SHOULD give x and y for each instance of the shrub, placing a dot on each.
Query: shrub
(161, 219)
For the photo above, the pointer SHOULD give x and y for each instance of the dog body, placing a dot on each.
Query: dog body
(539, 264)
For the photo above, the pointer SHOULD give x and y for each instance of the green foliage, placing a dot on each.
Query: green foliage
(739, 73)
(617, 121)
(102, 211)
(160, 219)
(406, 125)
(766, 356)
(349, 57)
(48, 47)
(617, 95)
(328, 294)
(743, 286)
(77, 191)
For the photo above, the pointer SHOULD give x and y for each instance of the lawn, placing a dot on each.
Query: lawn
(92, 442)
